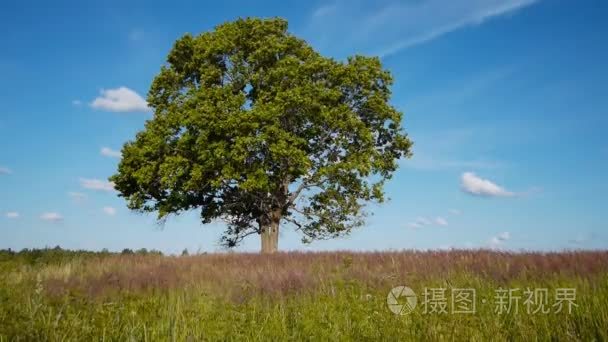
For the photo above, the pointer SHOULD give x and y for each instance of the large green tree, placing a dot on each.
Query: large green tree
(254, 127)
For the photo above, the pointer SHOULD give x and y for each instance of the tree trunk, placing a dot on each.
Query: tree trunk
(270, 234)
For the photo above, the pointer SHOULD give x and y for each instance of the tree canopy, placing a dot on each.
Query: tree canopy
(252, 126)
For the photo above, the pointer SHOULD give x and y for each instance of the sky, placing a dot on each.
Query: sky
(505, 101)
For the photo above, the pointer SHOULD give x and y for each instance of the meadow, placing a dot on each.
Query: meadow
(57, 295)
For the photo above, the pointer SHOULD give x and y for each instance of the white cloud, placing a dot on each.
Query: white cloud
(475, 185)
(504, 236)
(583, 239)
(499, 239)
(423, 221)
(383, 28)
(108, 152)
(51, 216)
(77, 196)
(441, 221)
(109, 211)
(120, 99)
(96, 184)
(414, 225)
(465, 13)
(12, 215)
(455, 211)
(76, 102)
(5, 171)
(324, 10)
(579, 240)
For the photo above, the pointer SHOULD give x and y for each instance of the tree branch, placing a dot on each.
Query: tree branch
(303, 186)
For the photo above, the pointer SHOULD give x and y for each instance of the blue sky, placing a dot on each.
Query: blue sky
(505, 101)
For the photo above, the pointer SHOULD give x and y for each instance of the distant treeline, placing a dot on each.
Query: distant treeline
(58, 254)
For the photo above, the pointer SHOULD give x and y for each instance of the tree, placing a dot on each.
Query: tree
(254, 127)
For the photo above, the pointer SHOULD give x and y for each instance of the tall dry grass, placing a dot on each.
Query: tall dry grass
(329, 296)
(286, 273)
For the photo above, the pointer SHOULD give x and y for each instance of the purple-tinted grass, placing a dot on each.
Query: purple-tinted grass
(241, 276)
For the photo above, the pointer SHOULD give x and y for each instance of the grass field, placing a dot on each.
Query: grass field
(56, 295)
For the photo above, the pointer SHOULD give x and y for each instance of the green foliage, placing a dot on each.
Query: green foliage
(46, 256)
(253, 126)
(57, 255)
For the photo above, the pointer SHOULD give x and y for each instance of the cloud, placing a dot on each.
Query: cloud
(441, 221)
(12, 215)
(466, 13)
(475, 185)
(96, 184)
(579, 240)
(109, 211)
(108, 152)
(324, 10)
(419, 223)
(52, 217)
(499, 239)
(455, 211)
(423, 221)
(583, 239)
(414, 225)
(384, 28)
(504, 236)
(5, 171)
(76, 102)
(120, 99)
(77, 196)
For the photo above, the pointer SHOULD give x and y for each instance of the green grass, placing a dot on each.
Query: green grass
(292, 296)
